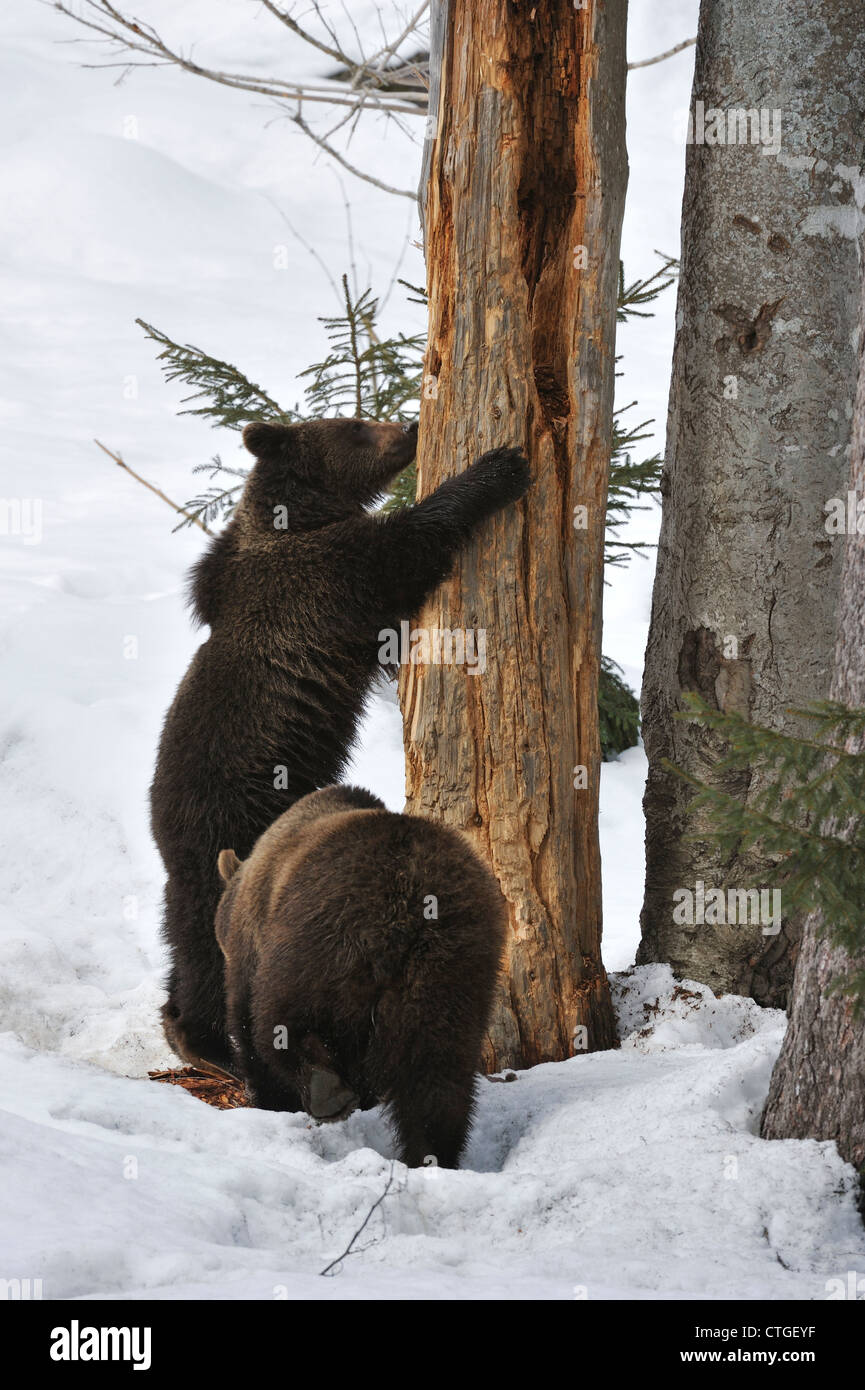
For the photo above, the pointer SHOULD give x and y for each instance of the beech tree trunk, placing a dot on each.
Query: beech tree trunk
(818, 1085)
(524, 200)
(764, 375)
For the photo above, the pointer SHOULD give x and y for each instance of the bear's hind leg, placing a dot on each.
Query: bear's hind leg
(193, 1017)
(432, 1111)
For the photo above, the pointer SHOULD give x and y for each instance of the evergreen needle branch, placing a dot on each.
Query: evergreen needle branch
(234, 399)
(704, 713)
(714, 795)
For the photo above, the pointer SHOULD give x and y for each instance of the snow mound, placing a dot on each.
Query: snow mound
(625, 1174)
(656, 1011)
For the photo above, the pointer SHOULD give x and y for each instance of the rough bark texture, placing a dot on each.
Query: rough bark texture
(527, 162)
(818, 1085)
(764, 374)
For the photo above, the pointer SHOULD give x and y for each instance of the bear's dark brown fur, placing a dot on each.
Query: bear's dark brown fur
(296, 590)
(361, 955)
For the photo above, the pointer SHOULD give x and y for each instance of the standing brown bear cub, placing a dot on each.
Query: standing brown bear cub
(361, 955)
(295, 590)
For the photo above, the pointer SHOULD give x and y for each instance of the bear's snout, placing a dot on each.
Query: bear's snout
(329, 1097)
(402, 441)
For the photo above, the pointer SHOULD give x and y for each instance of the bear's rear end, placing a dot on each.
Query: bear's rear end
(384, 940)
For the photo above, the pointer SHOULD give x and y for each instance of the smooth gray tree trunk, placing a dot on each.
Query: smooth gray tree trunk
(818, 1085)
(764, 373)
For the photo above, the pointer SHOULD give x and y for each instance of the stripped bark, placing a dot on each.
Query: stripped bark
(526, 164)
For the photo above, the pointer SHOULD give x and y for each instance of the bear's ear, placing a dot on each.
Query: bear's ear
(228, 864)
(259, 437)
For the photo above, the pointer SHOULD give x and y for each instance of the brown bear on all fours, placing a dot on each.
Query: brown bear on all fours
(362, 950)
(295, 590)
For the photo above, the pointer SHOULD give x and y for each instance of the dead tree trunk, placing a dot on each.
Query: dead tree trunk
(818, 1085)
(764, 374)
(524, 199)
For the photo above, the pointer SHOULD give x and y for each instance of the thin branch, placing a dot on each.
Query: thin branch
(327, 26)
(418, 70)
(659, 57)
(349, 236)
(380, 22)
(394, 279)
(307, 246)
(352, 169)
(357, 37)
(352, 116)
(136, 37)
(307, 37)
(384, 55)
(349, 1249)
(138, 478)
(360, 70)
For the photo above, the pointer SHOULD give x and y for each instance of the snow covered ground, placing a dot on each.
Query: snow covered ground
(633, 1173)
(628, 1174)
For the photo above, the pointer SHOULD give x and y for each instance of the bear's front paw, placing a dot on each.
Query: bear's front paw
(505, 469)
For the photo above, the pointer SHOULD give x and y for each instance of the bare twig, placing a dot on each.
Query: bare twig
(363, 85)
(418, 70)
(349, 237)
(292, 24)
(349, 1249)
(379, 60)
(350, 116)
(659, 57)
(352, 169)
(134, 36)
(307, 246)
(138, 478)
(394, 279)
(348, 16)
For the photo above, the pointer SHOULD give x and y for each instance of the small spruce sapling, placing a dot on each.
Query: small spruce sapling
(379, 378)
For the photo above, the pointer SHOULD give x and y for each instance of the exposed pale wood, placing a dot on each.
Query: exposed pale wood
(527, 162)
